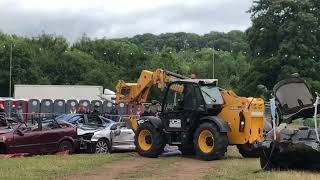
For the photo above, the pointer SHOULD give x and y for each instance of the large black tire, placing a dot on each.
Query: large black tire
(248, 151)
(187, 149)
(149, 141)
(102, 146)
(217, 140)
(66, 145)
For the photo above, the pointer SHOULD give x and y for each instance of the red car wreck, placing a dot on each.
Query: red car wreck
(45, 137)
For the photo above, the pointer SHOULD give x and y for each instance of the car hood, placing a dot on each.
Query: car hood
(84, 129)
(5, 130)
(294, 99)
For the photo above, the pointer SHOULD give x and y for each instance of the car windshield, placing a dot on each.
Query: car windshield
(97, 121)
(61, 117)
(211, 94)
(106, 120)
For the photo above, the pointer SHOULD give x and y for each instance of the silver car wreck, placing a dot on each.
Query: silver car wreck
(105, 136)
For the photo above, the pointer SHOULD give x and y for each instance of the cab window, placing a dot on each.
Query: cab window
(180, 97)
(211, 95)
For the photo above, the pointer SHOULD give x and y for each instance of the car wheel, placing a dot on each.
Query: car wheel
(102, 146)
(66, 146)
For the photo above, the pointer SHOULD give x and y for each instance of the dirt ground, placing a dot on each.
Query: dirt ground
(176, 167)
(137, 167)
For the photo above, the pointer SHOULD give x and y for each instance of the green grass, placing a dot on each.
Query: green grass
(55, 167)
(52, 166)
(236, 167)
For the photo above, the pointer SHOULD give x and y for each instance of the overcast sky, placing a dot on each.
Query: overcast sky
(121, 18)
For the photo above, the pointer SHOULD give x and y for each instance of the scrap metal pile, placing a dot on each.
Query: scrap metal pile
(294, 147)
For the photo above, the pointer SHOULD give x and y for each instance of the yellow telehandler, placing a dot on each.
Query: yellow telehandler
(197, 116)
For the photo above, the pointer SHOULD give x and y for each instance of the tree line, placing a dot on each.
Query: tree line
(50, 59)
(283, 39)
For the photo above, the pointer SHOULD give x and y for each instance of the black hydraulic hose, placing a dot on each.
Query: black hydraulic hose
(270, 155)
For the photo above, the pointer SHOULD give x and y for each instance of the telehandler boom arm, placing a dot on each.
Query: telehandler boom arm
(138, 92)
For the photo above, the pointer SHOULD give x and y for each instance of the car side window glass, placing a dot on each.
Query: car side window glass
(51, 124)
(81, 120)
(23, 128)
(74, 118)
(63, 125)
(35, 127)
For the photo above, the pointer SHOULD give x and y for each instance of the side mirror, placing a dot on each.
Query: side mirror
(201, 108)
(113, 127)
(19, 132)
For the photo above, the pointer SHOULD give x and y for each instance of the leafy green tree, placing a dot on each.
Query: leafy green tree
(50, 59)
(284, 39)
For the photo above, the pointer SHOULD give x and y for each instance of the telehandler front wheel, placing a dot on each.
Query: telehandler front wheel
(149, 141)
(209, 142)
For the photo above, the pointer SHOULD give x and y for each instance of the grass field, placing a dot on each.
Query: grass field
(236, 167)
(233, 166)
(53, 166)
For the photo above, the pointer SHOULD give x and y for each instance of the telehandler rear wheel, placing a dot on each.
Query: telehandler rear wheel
(209, 142)
(149, 141)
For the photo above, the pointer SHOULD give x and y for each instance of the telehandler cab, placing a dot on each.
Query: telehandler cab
(197, 116)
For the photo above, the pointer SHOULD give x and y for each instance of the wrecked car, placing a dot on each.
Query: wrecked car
(101, 135)
(43, 137)
(292, 145)
(81, 118)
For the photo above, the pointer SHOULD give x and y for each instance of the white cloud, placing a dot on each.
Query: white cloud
(121, 18)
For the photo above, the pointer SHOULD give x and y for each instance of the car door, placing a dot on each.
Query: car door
(28, 142)
(125, 138)
(179, 107)
(50, 136)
